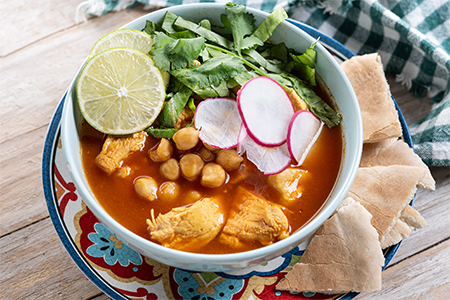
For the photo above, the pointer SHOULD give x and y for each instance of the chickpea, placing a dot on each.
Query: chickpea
(213, 175)
(206, 154)
(186, 138)
(192, 196)
(170, 169)
(162, 152)
(168, 191)
(191, 166)
(146, 187)
(229, 159)
(210, 148)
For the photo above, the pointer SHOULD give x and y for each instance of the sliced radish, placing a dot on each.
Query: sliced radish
(241, 138)
(269, 160)
(304, 129)
(266, 110)
(219, 122)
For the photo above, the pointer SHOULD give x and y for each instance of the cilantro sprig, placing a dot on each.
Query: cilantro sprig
(206, 63)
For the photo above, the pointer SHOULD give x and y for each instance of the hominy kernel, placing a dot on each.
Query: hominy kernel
(191, 166)
(213, 175)
(146, 188)
(186, 138)
(170, 169)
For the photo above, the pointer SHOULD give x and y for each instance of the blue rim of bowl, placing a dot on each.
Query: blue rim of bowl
(48, 175)
(48, 165)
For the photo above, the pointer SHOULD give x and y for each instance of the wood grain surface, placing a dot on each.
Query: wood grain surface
(41, 49)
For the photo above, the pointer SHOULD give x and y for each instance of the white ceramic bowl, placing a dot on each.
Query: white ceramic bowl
(345, 102)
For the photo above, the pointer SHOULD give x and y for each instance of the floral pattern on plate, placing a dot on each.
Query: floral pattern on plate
(122, 273)
(131, 275)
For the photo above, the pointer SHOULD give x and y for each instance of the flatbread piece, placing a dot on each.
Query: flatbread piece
(379, 116)
(394, 152)
(344, 255)
(410, 219)
(385, 191)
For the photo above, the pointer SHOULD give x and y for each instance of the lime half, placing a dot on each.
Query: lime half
(120, 91)
(130, 38)
(125, 37)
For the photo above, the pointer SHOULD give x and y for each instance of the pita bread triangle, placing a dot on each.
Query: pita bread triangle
(344, 255)
(379, 116)
(410, 219)
(395, 152)
(385, 191)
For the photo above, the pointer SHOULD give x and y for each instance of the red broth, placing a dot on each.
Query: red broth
(118, 197)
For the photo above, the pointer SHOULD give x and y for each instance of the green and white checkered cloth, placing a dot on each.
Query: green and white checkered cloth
(412, 37)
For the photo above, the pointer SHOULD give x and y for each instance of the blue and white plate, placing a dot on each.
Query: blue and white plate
(122, 273)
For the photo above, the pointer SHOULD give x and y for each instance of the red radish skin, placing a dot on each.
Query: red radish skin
(304, 129)
(265, 110)
(219, 122)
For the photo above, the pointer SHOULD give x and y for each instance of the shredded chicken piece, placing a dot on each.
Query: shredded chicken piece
(287, 183)
(297, 102)
(256, 220)
(187, 228)
(117, 148)
(185, 118)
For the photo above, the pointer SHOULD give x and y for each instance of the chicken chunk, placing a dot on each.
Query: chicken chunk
(162, 151)
(117, 148)
(297, 102)
(188, 228)
(287, 183)
(254, 220)
(185, 118)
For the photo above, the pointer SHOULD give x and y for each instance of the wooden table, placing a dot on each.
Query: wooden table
(41, 48)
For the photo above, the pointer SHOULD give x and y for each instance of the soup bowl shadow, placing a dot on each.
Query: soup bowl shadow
(344, 101)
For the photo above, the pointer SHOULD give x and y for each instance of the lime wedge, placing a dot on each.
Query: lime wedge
(124, 37)
(120, 91)
(130, 38)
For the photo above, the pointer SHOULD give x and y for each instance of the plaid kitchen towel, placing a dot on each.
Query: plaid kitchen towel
(411, 36)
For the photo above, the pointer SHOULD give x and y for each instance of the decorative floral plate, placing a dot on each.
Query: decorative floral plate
(122, 273)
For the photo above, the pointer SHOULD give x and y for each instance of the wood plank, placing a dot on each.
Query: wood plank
(423, 276)
(101, 297)
(37, 76)
(22, 197)
(27, 21)
(435, 208)
(35, 265)
(433, 205)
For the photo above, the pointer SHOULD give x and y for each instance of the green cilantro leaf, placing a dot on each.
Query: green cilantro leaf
(317, 106)
(184, 34)
(241, 24)
(172, 54)
(211, 73)
(204, 32)
(168, 22)
(268, 26)
(271, 66)
(306, 63)
(160, 133)
(279, 51)
(212, 91)
(205, 23)
(172, 109)
(150, 27)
